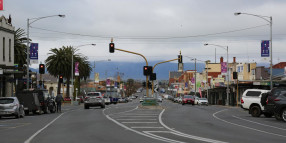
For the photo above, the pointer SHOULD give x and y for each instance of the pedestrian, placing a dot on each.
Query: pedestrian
(59, 100)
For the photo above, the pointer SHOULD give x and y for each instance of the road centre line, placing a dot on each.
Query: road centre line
(139, 122)
(166, 139)
(137, 119)
(214, 115)
(186, 135)
(147, 127)
(259, 123)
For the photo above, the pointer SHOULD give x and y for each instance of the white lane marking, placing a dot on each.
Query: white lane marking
(214, 115)
(134, 116)
(259, 123)
(39, 131)
(139, 122)
(147, 127)
(141, 114)
(166, 139)
(136, 119)
(187, 135)
(140, 133)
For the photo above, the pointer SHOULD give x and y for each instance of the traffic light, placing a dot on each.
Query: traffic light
(144, 84)
(42, 69)
(180, 58)
(61, 79)
(153, 76)
(147, 70)
(149, 84)
(234, 75)
(111, 47)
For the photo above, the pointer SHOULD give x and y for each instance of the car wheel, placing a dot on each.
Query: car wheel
(183, 104)
(17, 115)
(102, 106)
(278, 116)
(26, 112)
(268, 115)
(283, 114)
(86, 107)
(255, 111)
(53, 110)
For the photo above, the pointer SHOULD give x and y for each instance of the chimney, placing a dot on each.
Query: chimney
(221, 59)
(234, 59)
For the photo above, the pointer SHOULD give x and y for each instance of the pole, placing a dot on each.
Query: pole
(271, 82)
(227, 91)
(28, 55)
(72, 77)
(215, 55)
(237, 94)
(207, 74)
(195, 76)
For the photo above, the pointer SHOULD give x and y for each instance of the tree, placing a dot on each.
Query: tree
(130, 88)
(20, 48)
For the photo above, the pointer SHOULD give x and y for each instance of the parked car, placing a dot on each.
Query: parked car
(196, 100)
(122, 100)
(188, 99)
(159, 99)
(106, 100)
(180, 100)
(67, 99)
(176, 99)
(203, 101)
(94, 99)
(10, 106)
(251, 101)
(36, 101)
(275, 102)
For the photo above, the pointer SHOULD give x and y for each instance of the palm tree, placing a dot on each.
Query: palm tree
(20, 48)
(59, 63)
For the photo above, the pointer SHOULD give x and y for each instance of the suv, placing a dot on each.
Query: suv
(275, 102)
(94, 99)
(251, 101)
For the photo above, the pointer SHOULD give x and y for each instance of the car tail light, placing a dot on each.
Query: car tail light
(98, 97)
(241, 101)
(277, 99)
(267, 101)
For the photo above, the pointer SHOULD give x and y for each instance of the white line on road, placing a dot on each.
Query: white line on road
(39, 131)
(187, 135)
(139, 122)
(214, 115)
(135, 116)
(147, 127)
(136, 119)
(259, 123)
(166, 139)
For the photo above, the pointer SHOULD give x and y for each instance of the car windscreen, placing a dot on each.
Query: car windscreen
(188, 96)
(6, 100)
(93, 94)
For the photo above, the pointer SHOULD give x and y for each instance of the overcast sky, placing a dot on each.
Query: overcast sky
(158, 29)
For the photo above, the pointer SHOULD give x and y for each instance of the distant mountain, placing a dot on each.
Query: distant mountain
(135, 70)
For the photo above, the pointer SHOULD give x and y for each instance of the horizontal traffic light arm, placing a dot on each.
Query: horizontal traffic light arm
(163, 62)
(133, 53)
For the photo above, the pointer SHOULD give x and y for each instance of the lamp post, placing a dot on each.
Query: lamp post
(194, 59)
(28, 40)
(227, 90)
(72, 66)
(270, 24)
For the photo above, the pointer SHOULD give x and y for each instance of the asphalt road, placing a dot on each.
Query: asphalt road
(129, 123)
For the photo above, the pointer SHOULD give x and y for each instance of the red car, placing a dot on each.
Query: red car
(188, 99)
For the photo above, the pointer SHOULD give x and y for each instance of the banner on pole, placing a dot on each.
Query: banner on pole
(76, 69)
(96, 78)
(1, 5)
(265, 48)
(223, 67)
(34, 53)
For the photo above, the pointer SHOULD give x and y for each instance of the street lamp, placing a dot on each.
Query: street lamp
(270, 23)
(227, 91)
(28, 40)
(194, 59)
(72, 65)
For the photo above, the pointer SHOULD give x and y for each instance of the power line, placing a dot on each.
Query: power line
(151, 38)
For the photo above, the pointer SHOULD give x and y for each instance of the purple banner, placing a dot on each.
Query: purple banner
(223, 67)
(265, 48)
(34, 53)
(76, 70)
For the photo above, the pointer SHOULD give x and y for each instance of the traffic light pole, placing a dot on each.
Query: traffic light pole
(154, 68)
(147, 90)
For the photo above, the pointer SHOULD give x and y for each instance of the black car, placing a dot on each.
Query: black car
(275, 102)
